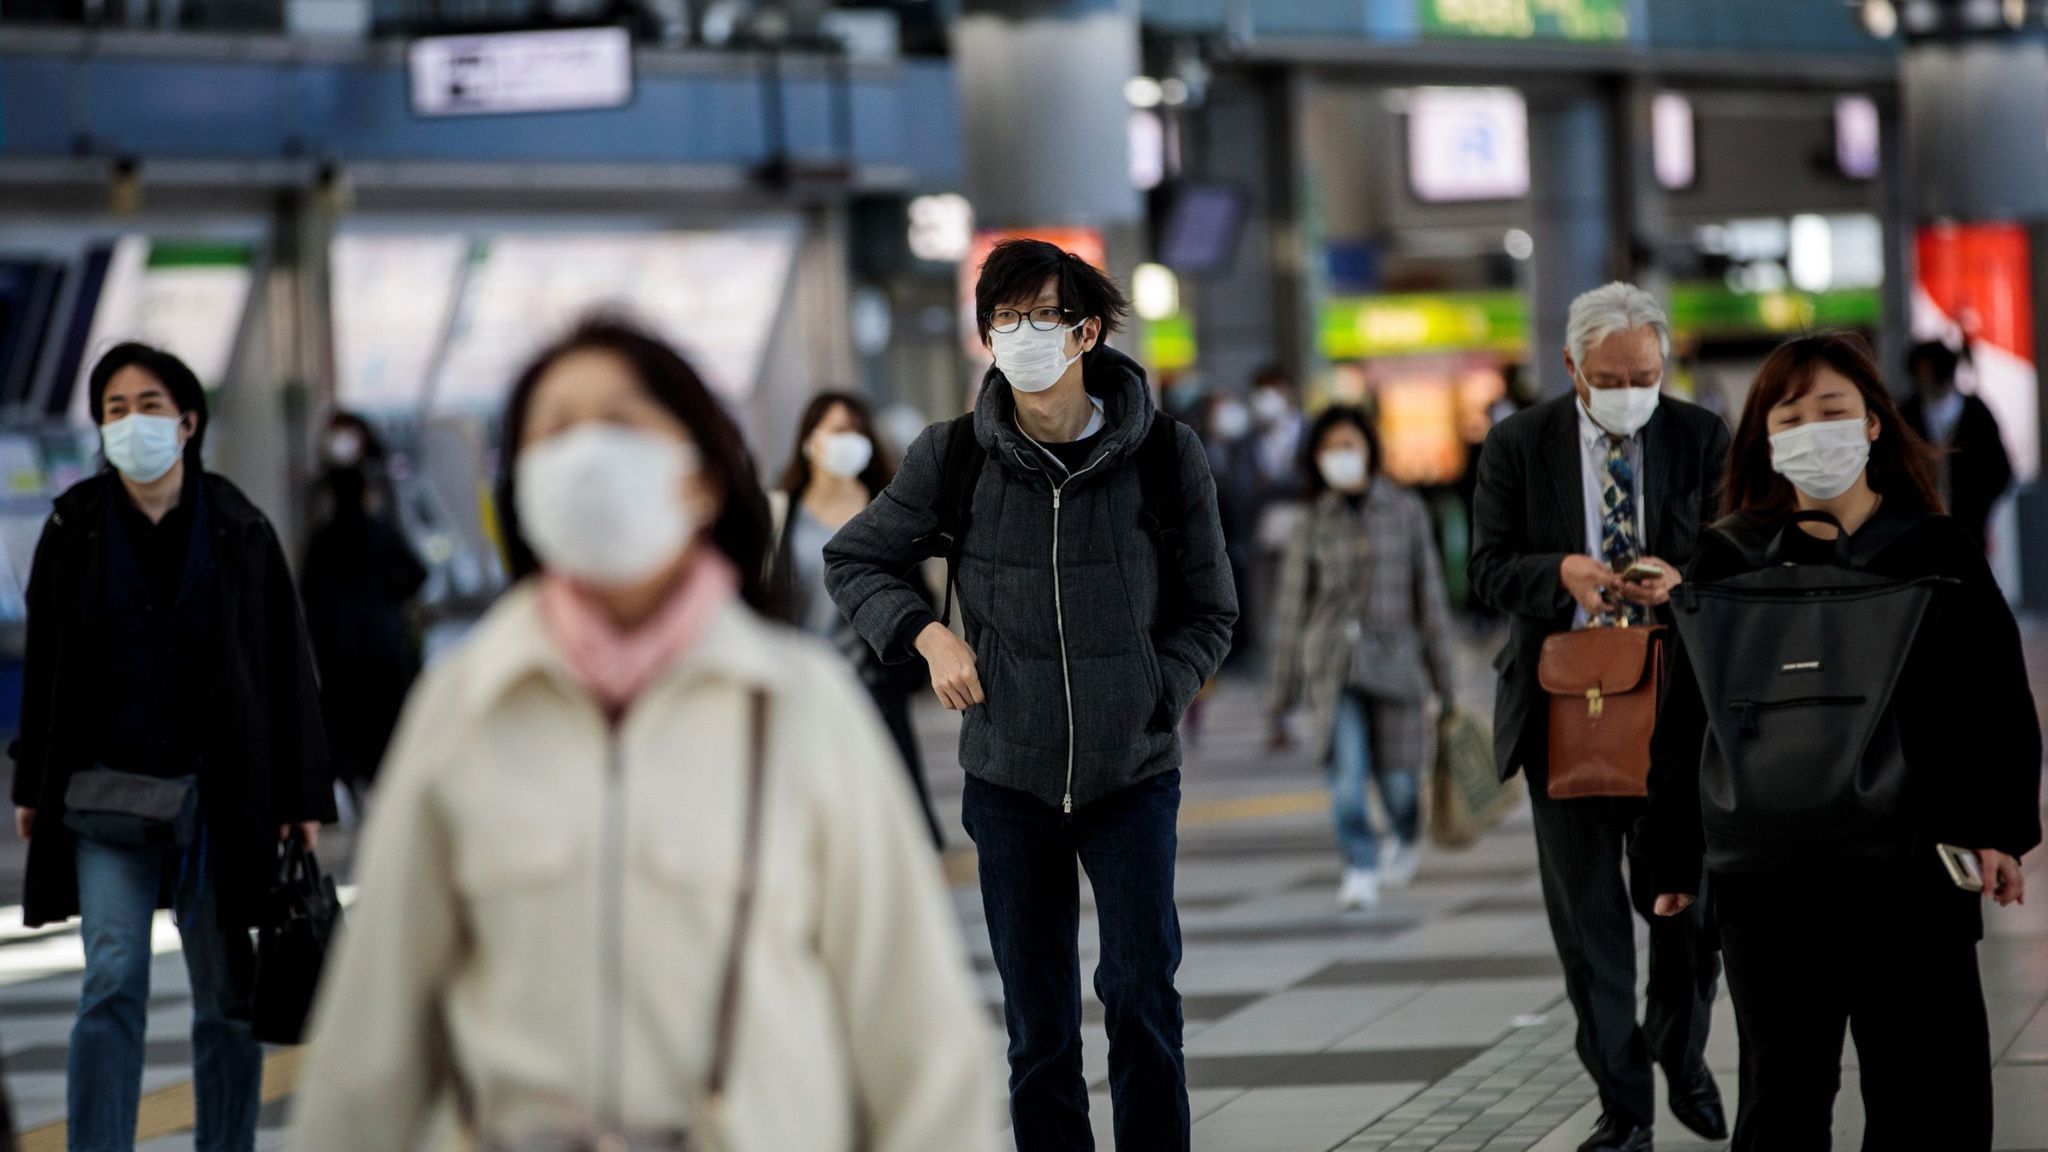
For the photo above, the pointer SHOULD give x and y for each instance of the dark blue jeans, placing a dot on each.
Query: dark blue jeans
(1030, 893)
(117, 889)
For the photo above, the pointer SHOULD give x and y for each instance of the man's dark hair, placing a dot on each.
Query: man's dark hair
(1937, 359)
(1272, 375)
(178, 379)
(1016, 269)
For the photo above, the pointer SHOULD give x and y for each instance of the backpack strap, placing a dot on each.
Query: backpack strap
(959, 474)
(1164, 515)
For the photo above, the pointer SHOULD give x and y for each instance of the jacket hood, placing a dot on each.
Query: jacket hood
(1108, 375)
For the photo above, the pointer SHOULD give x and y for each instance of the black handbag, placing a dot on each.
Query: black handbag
(1797, 665)
(128, 810)
(291, 945)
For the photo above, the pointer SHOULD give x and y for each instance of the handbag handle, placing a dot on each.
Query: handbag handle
(726, 1028)
(1775, 553)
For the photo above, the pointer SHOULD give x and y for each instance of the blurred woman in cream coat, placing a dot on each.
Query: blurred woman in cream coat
(558, 864)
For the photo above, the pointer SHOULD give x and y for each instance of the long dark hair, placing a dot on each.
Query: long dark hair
(1312, 444)
(881, 469)
(741, 531)
(177, 378)
(1901, 464)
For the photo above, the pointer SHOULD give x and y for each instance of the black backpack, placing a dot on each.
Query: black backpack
(1164, 517)
(1797, 666)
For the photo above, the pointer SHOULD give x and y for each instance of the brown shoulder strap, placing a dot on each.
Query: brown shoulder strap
(743, 909)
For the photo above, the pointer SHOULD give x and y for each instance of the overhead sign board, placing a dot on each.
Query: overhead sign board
(1467, 144)
(558, 70)
(1584, 20)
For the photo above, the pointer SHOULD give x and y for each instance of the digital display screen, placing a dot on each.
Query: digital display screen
(1201, 229)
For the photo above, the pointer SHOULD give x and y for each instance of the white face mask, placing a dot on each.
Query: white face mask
(1271, 406)
(1232, 420)
(344, 447)
(1622, 411)
(142, 448)
(1342, 468)
(1822, 460)
(844, 454)
(602, 503)
(1030, 360)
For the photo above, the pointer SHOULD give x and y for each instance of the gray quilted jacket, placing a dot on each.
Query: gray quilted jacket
(1085, 684)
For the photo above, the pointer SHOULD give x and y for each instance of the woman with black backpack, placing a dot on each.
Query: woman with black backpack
(1848, 732)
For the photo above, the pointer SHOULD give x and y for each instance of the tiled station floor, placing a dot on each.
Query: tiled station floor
(1436, 1021)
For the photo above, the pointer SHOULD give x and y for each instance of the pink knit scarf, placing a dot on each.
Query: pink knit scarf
(616, 666)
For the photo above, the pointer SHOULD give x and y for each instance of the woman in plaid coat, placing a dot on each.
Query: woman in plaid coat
(1361, 635)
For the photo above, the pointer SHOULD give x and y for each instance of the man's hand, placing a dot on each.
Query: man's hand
(24, 822)
(1585, 578)
(1672, 903)
(309, 831)
(954, 676)
(2003, 880)
(1654, 593)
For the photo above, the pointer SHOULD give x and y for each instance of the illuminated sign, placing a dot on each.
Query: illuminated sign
(1594, 20)
(1468, 144)
(552, 71)
(1360, 327)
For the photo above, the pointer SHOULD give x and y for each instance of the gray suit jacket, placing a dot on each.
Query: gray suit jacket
(1529, 514)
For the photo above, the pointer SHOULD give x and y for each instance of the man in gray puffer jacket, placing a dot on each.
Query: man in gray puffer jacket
(1077, 668)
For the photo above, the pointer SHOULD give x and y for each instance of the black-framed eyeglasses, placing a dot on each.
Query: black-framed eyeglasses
(1045, 319)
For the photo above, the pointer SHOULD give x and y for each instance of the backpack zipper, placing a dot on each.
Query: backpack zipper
(1747, 711)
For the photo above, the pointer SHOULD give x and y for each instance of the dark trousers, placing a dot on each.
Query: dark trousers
(1030, 892)
(1581, 845)
(1803, 971)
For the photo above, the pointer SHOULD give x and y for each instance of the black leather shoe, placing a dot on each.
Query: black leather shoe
(1697, 1104)
(1614, 1134)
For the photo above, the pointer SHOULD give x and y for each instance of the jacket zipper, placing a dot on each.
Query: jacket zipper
(611, 1053)
(1747, 711)
(1059, 612)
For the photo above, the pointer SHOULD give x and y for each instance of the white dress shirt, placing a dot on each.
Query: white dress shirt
(1593, 474)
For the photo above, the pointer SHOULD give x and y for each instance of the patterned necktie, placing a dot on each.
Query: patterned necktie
(1619, 544)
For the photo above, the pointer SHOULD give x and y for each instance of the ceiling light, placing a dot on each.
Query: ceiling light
(1143, 92)
(1880, 18)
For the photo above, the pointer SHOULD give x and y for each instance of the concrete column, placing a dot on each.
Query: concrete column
(1895, 211)
(1571, 202)
(1047, 129)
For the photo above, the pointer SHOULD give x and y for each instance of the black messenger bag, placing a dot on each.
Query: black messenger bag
(1797, 667)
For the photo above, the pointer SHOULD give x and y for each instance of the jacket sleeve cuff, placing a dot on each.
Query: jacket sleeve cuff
(903, 643)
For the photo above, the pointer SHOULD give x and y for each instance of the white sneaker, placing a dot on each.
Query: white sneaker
(1399, 863)
(1361, 889)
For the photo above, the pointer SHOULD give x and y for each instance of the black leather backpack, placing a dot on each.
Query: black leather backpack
(1798, 665)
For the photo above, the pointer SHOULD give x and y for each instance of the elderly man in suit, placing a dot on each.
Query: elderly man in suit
(1571, 492)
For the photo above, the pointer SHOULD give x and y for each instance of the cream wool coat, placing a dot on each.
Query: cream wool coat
(545, 907)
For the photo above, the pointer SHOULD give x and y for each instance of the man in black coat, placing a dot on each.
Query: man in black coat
(1570, 492)
(164, 644)
(1975, 470)
(1079, 662)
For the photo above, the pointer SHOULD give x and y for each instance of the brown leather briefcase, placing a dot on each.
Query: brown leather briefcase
(1603, 685)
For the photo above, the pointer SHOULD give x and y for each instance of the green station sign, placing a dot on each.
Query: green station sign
(1420, 324)
(1583, 20)
(1360, 327)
